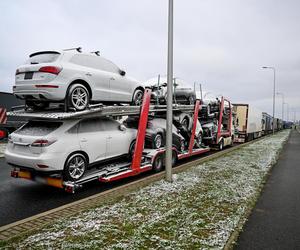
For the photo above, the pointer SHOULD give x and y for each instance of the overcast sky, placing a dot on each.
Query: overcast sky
(220, 43)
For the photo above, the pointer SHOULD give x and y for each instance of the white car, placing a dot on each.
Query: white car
(69, 147)
(78, 78)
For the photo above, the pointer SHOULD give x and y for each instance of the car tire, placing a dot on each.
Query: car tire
(131, 150)
(158, 163)
(191, 100)
(174, 158)
(157, 141)
(185, 123)
(37, 105)
(198, 140)
(75, 167)
(78, 97)
(137, 98)
(221, 145)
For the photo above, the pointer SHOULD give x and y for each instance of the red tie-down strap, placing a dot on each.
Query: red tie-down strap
(3, 116)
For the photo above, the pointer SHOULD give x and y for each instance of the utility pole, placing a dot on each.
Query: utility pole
(169, 96)
(273, 95)
(278, 93)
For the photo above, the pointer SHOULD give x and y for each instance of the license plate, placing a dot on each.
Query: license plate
(28, 75)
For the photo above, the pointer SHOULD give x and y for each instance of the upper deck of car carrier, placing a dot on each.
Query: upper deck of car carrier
(94, 111)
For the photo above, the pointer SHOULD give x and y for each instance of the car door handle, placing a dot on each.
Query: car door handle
(83, 140)
(88, 74)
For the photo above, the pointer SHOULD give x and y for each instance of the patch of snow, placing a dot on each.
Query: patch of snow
(199, 209)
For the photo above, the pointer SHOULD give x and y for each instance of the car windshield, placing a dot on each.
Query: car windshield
(43, 57)
(38, 128)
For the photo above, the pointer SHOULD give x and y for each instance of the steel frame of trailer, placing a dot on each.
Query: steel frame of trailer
(142, 160)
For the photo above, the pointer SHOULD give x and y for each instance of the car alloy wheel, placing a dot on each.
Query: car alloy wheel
(79, 97)
(75, 167)
(137, 99)
(158, 141)
(191, 100)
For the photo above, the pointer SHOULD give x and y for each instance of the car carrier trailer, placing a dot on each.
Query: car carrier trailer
(143, 159)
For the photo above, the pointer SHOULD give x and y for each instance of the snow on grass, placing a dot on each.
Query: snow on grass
(2, 148)
(200, 209)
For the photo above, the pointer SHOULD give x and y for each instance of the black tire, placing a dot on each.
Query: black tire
(137, 98)
(198, 140)
(75, 167)
(158, 163)
(191, 100)
(174, 158)
(232, 141)
(157, 141)
(37, 105)
(185, 123)
(78, 97)
(221, 145)
(131, 150)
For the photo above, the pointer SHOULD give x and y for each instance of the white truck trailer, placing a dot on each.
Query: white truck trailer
(248, 122)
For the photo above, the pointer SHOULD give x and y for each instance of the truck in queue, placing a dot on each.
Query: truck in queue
(248, 122)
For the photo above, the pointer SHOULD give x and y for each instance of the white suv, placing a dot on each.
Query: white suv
(68, 147)
(78, 78)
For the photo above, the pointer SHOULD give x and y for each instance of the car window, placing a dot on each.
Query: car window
(90, 125)
(95, 62)
(43, 57)
(38, 128)
(110, 124)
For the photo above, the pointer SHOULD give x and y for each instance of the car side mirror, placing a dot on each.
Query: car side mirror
(122, 72)
(122, 127)
(164, 84)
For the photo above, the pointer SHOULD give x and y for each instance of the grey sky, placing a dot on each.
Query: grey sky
(220, 43)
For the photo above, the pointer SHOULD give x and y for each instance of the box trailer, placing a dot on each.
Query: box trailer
(248, 122)
(266, 123)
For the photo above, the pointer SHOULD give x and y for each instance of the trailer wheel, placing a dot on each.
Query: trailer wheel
(75, 167)
(221, 145)
(174, 158)
(158, 163)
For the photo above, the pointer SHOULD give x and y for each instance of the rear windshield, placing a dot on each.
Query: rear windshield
(38, 128)
(43, 57)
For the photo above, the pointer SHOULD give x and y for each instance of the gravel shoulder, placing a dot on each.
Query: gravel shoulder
(199, 210)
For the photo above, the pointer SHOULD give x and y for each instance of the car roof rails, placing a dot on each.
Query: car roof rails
(97, 53)
(78, 49)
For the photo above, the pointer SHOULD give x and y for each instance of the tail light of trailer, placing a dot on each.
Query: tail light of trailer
(50, 69)
(42, 143)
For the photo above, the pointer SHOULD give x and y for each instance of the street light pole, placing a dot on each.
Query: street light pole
(273, 95)
(282, 95)
(169, 124)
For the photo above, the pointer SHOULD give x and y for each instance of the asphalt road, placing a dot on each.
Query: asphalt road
(275, 221)
(21, 198)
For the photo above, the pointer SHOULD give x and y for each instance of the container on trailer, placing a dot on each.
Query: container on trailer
(248, 122)
(266, 123)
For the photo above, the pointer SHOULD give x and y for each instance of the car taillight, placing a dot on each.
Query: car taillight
(2, 134)
(50, 69)
(42, 143)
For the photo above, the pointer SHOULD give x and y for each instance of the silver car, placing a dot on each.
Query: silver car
(78, 78)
